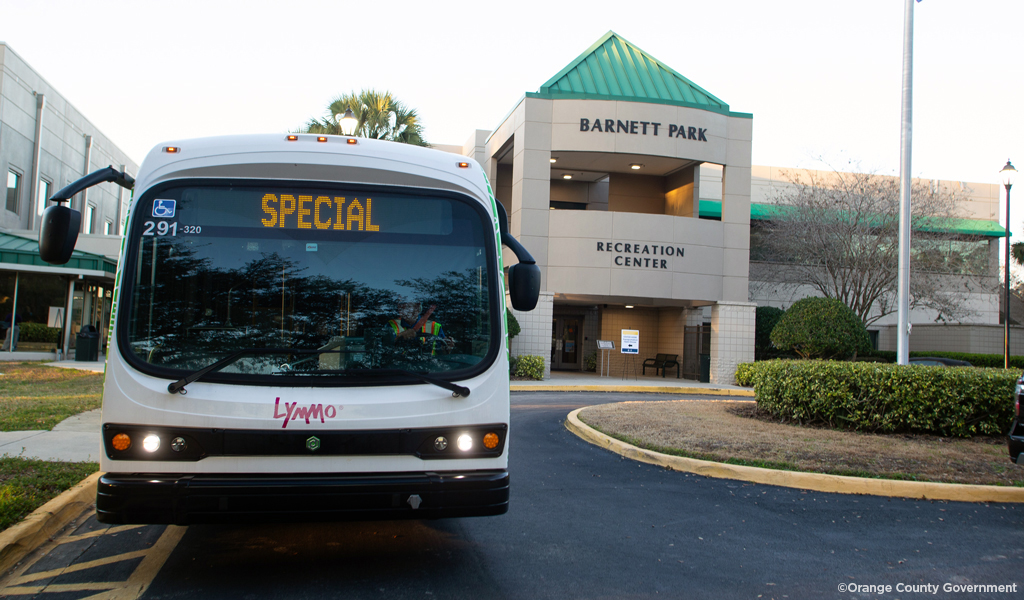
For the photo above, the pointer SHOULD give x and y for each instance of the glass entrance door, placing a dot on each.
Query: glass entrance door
(565, 343)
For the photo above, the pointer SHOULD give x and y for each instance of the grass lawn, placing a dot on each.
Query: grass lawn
(25, 484)
(34, 396)
(732, 432)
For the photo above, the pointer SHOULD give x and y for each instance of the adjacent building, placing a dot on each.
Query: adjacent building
(45, 144)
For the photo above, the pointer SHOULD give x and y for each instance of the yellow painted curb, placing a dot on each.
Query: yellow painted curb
(24, 537)
(650, 389)
(819, 482)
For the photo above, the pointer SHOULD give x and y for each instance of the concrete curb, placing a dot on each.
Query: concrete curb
(650, 389)
(819, 482)
(22, 538)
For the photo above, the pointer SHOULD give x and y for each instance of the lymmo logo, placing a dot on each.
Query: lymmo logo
(294, 412)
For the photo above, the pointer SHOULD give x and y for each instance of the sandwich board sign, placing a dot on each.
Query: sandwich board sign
(630, 341)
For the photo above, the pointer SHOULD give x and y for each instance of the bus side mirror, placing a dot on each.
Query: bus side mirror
(524, 286)
(523, 278)
(58, 234)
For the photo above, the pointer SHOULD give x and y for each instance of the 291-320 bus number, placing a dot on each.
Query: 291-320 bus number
(165, 228)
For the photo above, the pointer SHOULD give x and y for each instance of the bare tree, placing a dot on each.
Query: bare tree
(837, 233)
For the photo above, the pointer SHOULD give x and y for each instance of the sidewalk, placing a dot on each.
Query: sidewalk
(74, 439)
(582, 381)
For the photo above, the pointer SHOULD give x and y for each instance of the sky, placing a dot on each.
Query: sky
(822, 79)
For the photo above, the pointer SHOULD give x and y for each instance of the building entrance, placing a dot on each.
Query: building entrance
(565, 343)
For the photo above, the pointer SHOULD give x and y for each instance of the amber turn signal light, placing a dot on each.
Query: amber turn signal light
(121, 442)
(491, 441)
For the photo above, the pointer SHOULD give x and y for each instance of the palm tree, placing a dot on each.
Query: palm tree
(380, 116)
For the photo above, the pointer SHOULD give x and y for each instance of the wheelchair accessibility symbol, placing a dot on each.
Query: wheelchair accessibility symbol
(163, 208)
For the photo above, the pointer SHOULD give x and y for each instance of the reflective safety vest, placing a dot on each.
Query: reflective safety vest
(431, 328)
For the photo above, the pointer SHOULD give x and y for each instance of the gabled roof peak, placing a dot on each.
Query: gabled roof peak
(615, 69)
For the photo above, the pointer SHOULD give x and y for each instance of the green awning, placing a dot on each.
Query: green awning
(765, 212)
(16, 250)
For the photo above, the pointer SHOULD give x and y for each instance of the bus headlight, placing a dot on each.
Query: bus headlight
(151, 443)
(465, 442)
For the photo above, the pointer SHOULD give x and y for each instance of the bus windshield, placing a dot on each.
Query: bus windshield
(372, 278)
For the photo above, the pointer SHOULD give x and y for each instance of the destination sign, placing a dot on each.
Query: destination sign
(339, 213)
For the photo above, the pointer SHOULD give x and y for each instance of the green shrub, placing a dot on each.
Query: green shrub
(590, 362)
(38, 332)
(530, 366)
(956, 401)
(821, 328)
(511, 324)
(994, 361)
(767, 317)
(745, 374)
(513, 362)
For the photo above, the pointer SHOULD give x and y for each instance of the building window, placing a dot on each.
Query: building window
(90, 212)
(13, 191)
(43, 196)
(107, 226)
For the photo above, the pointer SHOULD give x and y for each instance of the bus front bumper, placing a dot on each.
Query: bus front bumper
(227, 498)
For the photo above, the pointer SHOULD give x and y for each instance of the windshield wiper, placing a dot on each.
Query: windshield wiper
(179, 385)
(456, 389)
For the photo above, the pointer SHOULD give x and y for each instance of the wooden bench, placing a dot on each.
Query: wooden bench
(662, 361)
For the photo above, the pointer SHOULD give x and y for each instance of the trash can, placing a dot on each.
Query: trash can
(705, 368)
(87, 344)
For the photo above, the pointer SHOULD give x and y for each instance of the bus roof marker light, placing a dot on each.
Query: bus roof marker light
(292, 138)
(636, 166)
(465, 442)
(321, 138)
(463, 165)
(172, 149)
(151, 443)
(351, 140)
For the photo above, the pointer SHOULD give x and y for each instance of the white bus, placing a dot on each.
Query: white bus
(304, 328)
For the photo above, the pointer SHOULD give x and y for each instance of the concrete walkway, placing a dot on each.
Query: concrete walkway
(74, 439)
(582, 381)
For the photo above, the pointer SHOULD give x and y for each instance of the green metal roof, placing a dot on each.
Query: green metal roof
(614, 69)
(767, 212)
(15, 250)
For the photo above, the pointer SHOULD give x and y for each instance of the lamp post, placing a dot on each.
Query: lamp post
(1007, 175)
(348, 122)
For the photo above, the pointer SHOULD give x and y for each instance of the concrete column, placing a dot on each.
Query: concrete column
(531, 179)
(33, 218)
(732, 339)
(736, 176)
(535, 335)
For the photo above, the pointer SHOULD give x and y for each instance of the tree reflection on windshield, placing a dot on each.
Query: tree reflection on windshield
(196, 299)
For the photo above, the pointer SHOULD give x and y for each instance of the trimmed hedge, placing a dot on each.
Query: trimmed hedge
(530, 366)
(879, 398)
(994, 361)
(38, 332)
